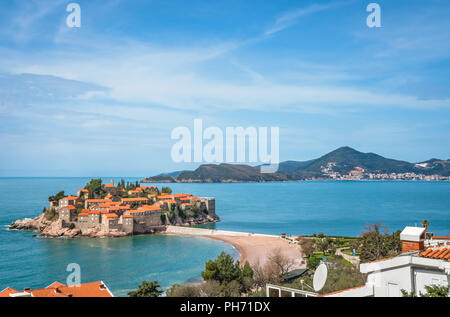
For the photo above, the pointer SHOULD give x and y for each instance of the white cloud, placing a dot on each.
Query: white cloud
(288, 19)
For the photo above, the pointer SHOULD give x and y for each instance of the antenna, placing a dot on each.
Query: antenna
(320, 277)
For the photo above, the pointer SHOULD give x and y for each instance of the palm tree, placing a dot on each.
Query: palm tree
(425, 224)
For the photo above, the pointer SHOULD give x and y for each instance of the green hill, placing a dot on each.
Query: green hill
(342, 160)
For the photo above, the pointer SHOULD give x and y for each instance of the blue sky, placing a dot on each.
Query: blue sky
(104, 98)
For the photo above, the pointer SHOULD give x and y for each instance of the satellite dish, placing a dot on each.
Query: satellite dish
(320, 277)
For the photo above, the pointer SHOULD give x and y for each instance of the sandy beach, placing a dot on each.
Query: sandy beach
(253, 248)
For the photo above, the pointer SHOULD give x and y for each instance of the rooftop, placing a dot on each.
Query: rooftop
(56, 289)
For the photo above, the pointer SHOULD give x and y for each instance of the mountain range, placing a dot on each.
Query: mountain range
(342, 161)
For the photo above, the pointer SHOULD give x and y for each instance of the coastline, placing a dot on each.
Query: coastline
(253, 248)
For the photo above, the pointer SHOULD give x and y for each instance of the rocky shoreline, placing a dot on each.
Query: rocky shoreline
(47, 228)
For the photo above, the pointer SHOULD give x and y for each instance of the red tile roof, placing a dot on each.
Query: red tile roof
(344, 290)
(134, 199)
(437, 252)
(98, 200)
(94, 289)
(8, 291)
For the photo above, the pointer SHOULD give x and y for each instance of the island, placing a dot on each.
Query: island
(108, 210)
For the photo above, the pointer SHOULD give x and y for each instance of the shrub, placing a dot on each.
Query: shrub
(51, 214)
(147, 289)
(177, 290)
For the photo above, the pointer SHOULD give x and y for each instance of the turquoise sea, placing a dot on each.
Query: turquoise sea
(337, 208)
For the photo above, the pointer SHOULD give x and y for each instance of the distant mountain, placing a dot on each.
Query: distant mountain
(172, 174)
(342, 161)
(210, 173)
(434, 166)
(346, 159)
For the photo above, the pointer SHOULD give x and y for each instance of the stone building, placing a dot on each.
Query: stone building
(210, 205)
(68, 213)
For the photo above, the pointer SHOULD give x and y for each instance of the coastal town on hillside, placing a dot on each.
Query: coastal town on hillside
(359, 173)
(110, 210)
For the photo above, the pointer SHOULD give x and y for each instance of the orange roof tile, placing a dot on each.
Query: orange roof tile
(98, 200)
(70, 207)
(436, 253)
(344, 290)
(7, 292)
(134, 199)
(72, 197)
(181, 195)
(169, 201)
(56, 289)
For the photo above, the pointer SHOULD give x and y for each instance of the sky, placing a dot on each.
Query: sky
(102, 99)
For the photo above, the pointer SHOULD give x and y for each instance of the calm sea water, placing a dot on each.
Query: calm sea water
(338, 208)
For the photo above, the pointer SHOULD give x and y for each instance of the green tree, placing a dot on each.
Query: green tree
(177, 290)
(408, 294)
(307, 246)
(147, 289)
(436, 291)
(223, 269)
(425, 224)
(166, 190)
(374, 245)
(51, 214)
(95, 189)
(431, 291)
(247, 270)
(57, 197)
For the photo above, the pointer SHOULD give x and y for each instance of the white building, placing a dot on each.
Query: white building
(422, 262)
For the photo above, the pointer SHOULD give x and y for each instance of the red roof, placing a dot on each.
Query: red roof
(344, 290)
(436, 253)
(72, 197)
(98, 200)
(70, 207)
(56, 289)
(134, 199)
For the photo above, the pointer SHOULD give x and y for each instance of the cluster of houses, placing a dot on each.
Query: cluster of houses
(358, 173)
(145, 211)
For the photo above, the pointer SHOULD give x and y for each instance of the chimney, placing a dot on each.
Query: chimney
(413, 239)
